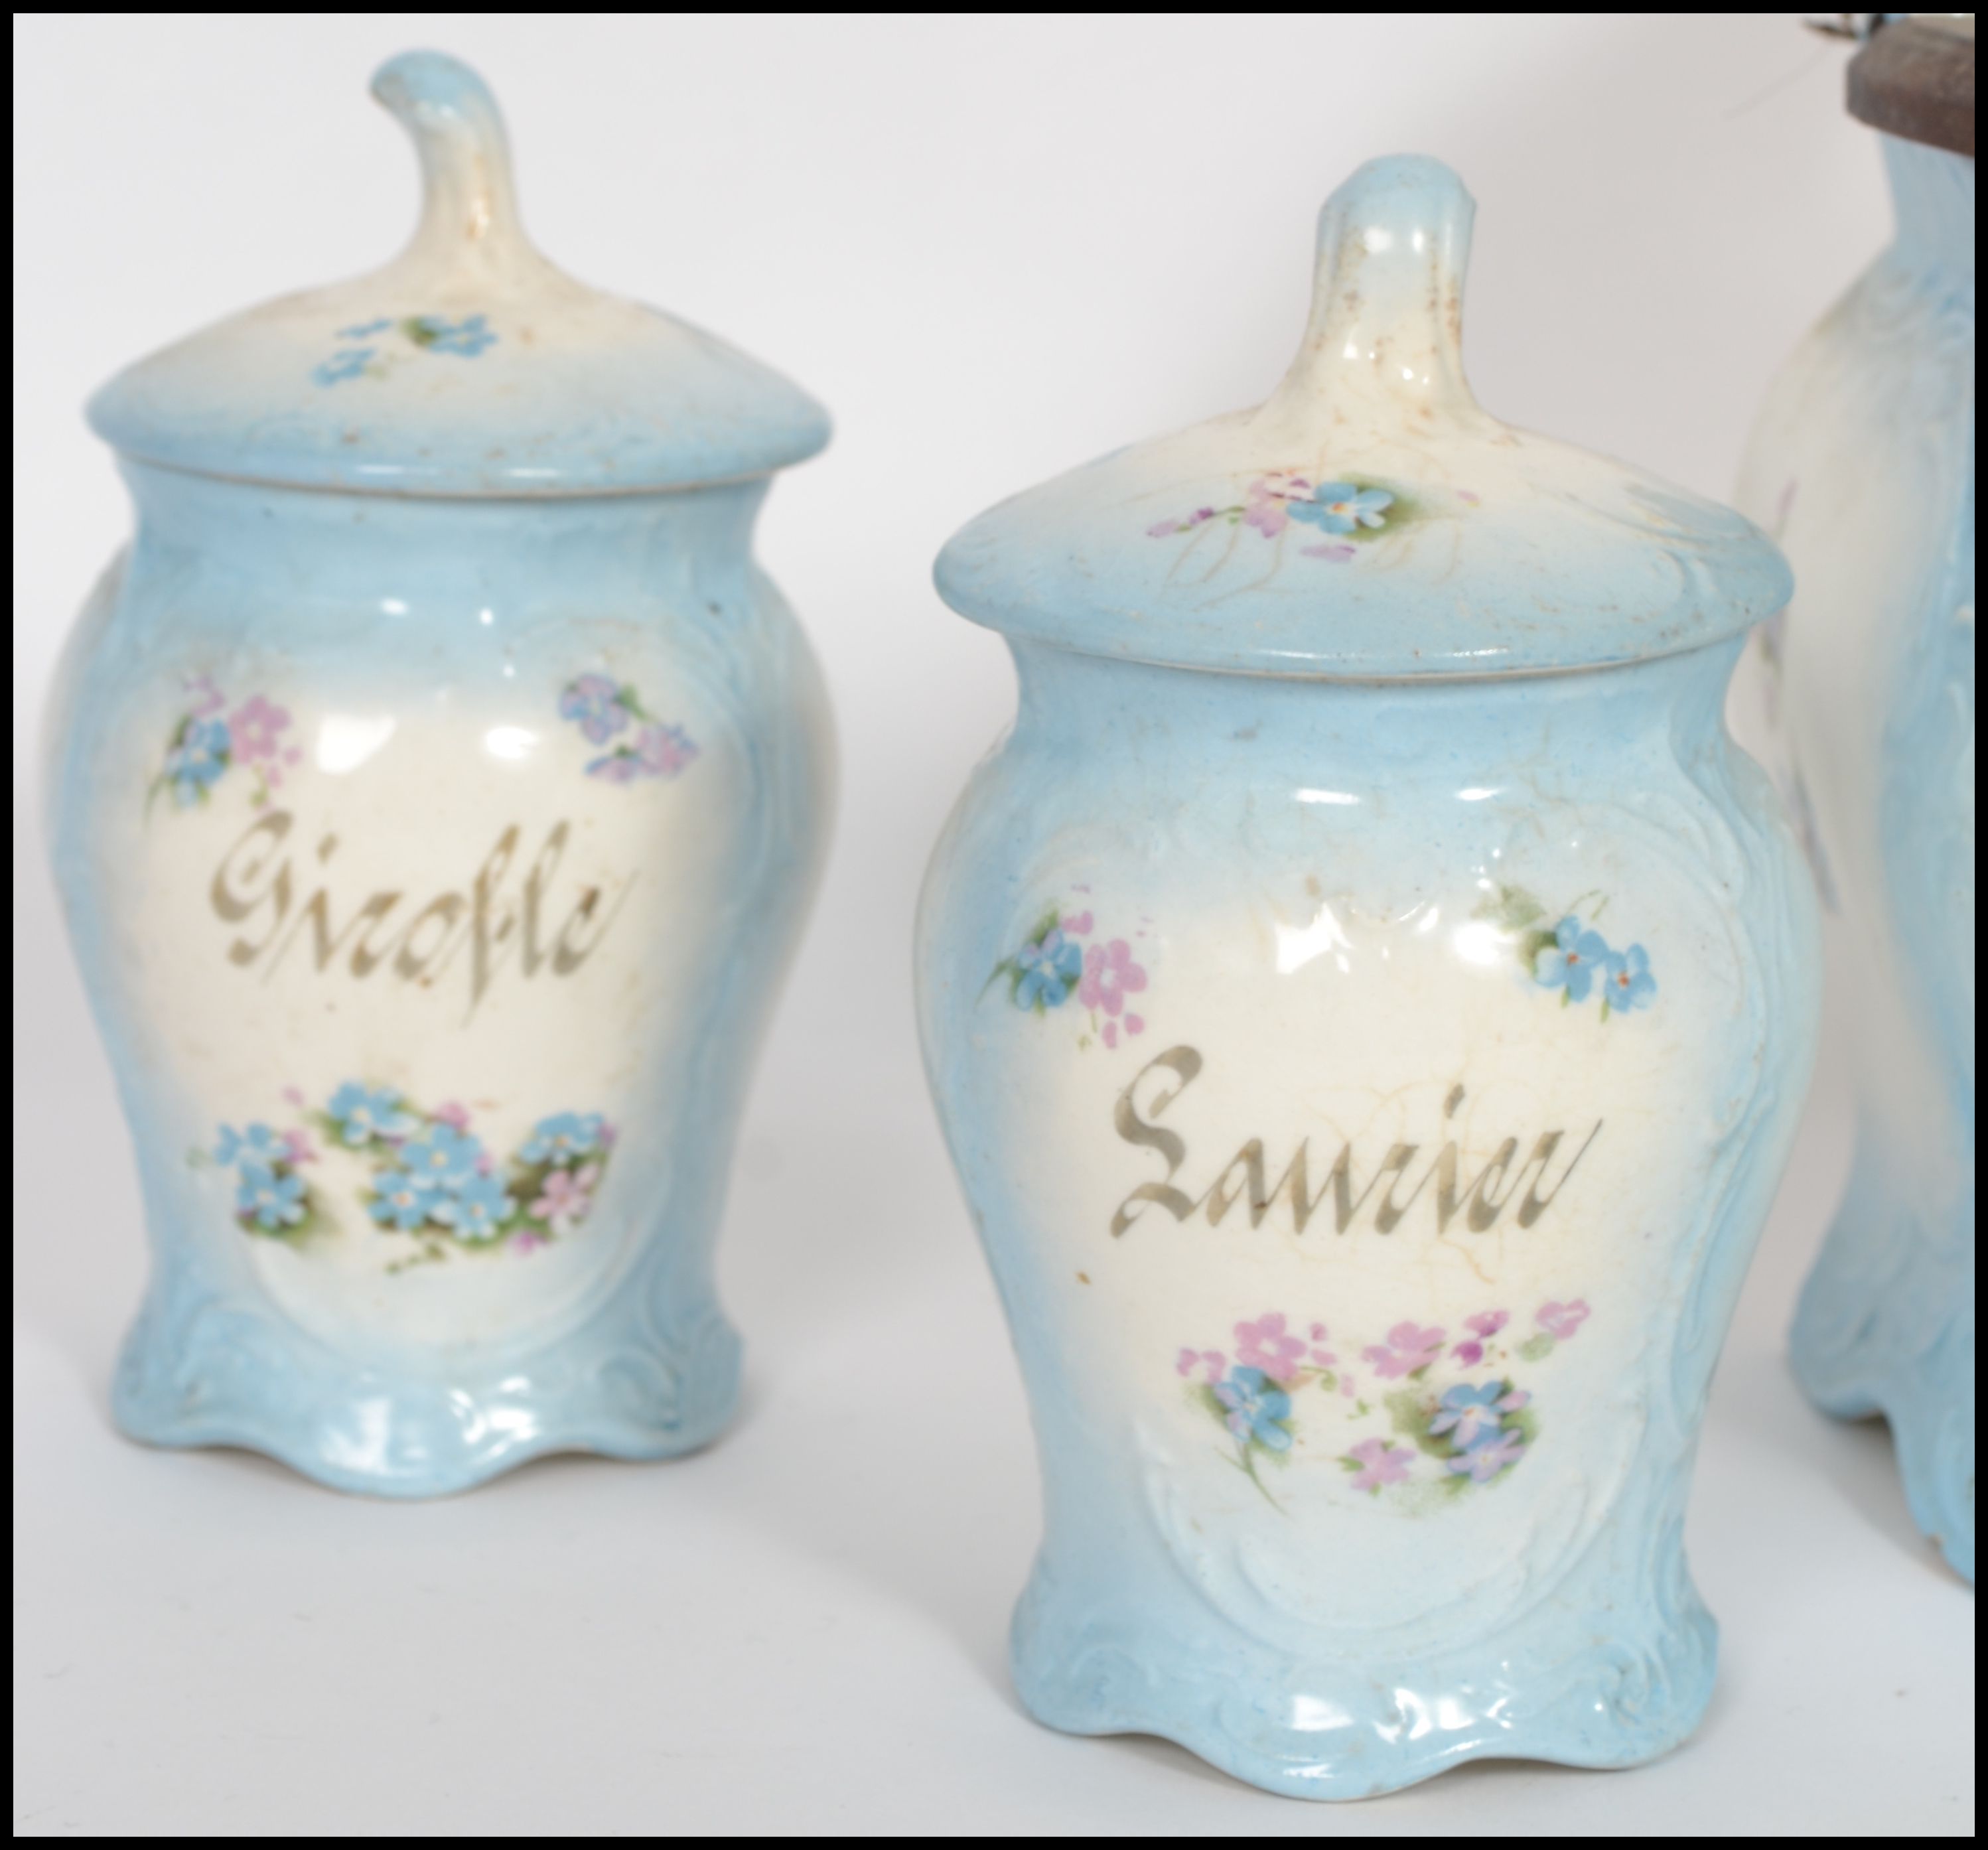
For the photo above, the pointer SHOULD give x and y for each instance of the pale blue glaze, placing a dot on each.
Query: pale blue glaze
(438, 632)
(1298, 858)
(557, 388)
(1867, 448)
(1552, 559)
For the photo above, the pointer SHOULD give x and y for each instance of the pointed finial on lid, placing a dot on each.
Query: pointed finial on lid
(468, 206)
(1386, 328)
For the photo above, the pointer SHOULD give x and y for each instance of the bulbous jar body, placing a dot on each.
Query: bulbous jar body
(432, 864)
(1369, 1181)
(1368, 998)
(1864, 455)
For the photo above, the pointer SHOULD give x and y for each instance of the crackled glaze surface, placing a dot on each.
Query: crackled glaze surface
(1369, 1090)
(432, 861)
(1864, 457)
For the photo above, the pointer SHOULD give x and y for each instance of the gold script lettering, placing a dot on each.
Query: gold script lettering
(491, 931)
(1184, 1064)
(242, 868)
(257, 880)
(1482, 1203)
(416, 966)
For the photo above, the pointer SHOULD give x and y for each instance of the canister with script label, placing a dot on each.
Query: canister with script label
(1368, 998)
(438, 787)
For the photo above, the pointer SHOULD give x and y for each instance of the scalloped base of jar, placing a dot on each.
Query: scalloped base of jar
(1548, 1688)
(1885, 1327)
(209, 1369)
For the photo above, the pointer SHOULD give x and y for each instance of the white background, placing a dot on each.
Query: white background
(995, 248)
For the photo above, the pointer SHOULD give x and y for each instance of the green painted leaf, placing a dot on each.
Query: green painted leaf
(1411, 1412)
(1512, 908)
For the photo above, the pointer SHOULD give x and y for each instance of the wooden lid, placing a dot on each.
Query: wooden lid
(1914, 79)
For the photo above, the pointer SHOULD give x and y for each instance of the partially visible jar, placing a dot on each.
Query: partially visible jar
(1862, 463)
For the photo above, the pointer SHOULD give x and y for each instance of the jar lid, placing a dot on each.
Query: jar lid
(1370, 521)
(1914, 79)
(469, 365)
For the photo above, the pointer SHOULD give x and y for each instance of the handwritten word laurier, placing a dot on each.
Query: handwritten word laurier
(1480, 1201)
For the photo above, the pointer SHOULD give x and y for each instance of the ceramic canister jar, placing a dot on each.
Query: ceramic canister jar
(1369, 999)
(1863, 460)
(438, 787)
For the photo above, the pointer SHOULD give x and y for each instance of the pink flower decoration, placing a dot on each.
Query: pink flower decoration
(298, 1145)
(254, 729)
(1266, 1344)
(663, 750)
(565, 1196)
(1318, 1332)
(1135, 1024)
(526, 1241)
(1211, 1360)
(207, 697)
(1325, 1359)
(1560, 1321)
(1077, 924)
(1486, 1324)
(1346, 1386)
(1468, 495)
(295, 1096)
(1409, 1349)
(1337, 554)
(1110, 975)
(1266, 511)
(455, 1115)
(1380, 1463)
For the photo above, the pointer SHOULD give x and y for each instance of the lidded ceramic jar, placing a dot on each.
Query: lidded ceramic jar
(1369, 999)
(437, 788)
(1862, 461)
